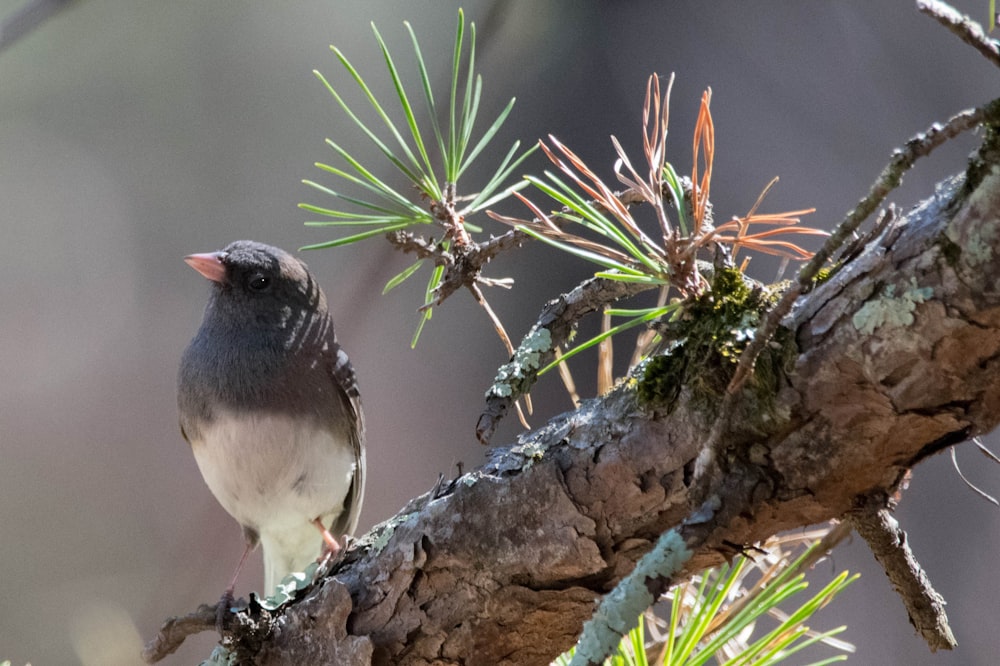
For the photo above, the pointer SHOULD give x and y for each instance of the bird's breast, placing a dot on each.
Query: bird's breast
(271, 470)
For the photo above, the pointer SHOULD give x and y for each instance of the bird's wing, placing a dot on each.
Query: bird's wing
(347, 385)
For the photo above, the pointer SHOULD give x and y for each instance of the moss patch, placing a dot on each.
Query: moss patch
(825, 273)
(704, 345)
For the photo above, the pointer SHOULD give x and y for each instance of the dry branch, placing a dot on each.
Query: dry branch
(887, 541)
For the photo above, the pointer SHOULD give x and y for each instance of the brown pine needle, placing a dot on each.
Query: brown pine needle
(704, 137)
(567, 379)
(760, 197)
(605, 358)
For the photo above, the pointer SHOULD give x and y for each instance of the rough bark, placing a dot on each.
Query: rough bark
(897, 358)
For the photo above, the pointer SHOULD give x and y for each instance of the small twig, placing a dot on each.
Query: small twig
(423, 248)
(858, 242)
(982, 493)
(985, 451)
(967, 30)
(176, 629)
(902, 161)
(509, 240)
(502, 333)
(477, 294)
(559, 319)
(925, 607)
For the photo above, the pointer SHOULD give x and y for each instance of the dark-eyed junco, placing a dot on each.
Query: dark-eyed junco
(269, 403)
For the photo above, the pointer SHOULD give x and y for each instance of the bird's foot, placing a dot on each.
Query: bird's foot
(222, 614)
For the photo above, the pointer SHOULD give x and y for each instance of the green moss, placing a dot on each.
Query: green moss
(662, 379)
(705, 343)
(824, 274)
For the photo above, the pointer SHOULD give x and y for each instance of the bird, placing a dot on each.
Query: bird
(269, 402)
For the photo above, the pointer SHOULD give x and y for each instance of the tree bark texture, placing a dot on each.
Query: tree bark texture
(897, 357)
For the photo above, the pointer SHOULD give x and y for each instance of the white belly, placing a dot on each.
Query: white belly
(274, 473)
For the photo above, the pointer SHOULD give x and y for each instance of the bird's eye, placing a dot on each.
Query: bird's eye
(259, 282)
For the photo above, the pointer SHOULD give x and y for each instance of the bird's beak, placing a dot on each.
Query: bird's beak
(208, 264)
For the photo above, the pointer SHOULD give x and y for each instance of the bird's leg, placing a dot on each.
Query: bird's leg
(222, 610)
(331, 546)
(332, 553)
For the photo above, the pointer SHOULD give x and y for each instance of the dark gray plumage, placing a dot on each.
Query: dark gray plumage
(270, 404)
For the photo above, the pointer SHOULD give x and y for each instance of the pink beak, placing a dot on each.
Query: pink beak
(208, 264)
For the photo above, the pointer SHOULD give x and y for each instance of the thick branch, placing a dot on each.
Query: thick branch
(898, 357)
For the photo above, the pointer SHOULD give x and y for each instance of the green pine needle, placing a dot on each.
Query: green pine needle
(637, 317)
(400, 277)
(411, 120)
(377, 208)
(347, 240)
(718, 612)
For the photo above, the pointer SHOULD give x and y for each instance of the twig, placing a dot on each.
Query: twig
(423, 248)
(985, 451)
(509, 240)
(605, 358)
(464, 265)
(967, 30)
(477, 294)
(902, 160)
(176, 629)
(887, 541)
(886, 218)
(567, 379)
(558, 320)
(982, 493)
(498, 326)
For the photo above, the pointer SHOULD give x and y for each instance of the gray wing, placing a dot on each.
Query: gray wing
(347, 384)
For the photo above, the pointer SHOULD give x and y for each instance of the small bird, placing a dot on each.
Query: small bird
(269, 402)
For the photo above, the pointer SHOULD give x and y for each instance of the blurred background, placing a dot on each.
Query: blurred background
(134, 133)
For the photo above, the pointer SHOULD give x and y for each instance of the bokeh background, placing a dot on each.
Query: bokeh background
(133, 133)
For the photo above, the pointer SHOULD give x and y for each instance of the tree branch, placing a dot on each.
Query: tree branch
(896, 357)
(553, 328)
(887, 541)
(965, 28)
(891, 360)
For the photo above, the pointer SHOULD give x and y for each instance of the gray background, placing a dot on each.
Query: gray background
(133, 133)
